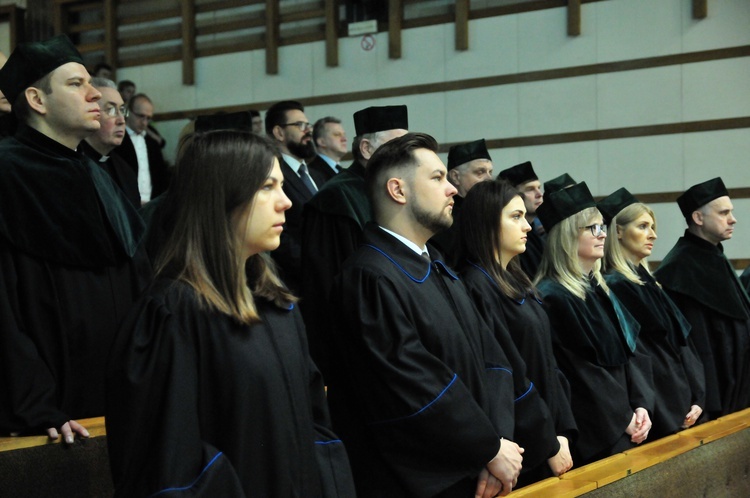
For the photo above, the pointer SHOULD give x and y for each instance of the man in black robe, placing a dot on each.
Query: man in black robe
(99, 145)
(69, 248)
(468, 164)
(523, 177)
(333, 221)
(703, 284)
(421, 394)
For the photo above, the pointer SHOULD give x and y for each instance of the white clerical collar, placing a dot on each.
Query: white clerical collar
(408, 243)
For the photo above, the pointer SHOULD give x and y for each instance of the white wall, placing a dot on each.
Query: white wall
(615, 30)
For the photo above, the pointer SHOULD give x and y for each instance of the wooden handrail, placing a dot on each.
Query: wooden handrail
(95, 426)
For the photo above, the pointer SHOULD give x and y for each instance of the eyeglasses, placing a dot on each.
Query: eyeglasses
(596, 229)
(303, 126)
(113, 111)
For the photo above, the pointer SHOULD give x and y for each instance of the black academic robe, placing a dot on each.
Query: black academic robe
(593, 344)
(679, 381)
(71, 268)
(702, 283)
(119, 170)
(531, 258)
(332, 227)
(526, 324)
(157, 166)
(323, 170)
(448, 241)
(7, 125)
(288, 255)
(420, 392)
(745, 279)
(200, 401)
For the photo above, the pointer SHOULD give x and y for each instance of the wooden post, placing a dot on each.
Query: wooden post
(110, 34)
(272, 36)
(700, 9)
(462, 24)
(395, 19)
(574, 17)
(188, 42)
(332, 33)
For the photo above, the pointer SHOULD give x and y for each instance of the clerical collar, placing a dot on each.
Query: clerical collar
(408, 243)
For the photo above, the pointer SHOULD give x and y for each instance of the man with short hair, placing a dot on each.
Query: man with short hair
(420, 392)
(126, 89)
(99, 145)
(523, 177)
(468, 164)
(257, 122)
(334, 220)
(141, 151)
(703, 284)
(70, 258)
(329, 138)
(288, 126)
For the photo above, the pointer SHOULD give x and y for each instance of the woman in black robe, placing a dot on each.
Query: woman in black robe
(495, 233)
(679, 382)
(211, 389)
(593, 336)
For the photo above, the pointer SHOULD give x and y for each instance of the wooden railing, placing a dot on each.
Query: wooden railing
(577, 482)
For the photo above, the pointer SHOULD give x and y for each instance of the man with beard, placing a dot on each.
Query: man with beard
(522, 177)
(288, 126)
(703, 284)
(99, 145)
(420, 394)
(334, 219)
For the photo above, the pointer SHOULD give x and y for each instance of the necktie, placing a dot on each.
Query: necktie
(339, 169)
(426, 256)
(305, 177)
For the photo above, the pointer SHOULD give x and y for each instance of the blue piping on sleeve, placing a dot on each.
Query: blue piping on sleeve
(328, 442)
(455, 376)
(531, 386)
(168, 490)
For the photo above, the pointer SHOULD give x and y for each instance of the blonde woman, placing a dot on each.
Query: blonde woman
(212, 390)
(593, 336)
(679, 380)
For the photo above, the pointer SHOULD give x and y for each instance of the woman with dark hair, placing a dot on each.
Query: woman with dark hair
(679, 380)
(212, 390)
(493, 234)
(593, 336)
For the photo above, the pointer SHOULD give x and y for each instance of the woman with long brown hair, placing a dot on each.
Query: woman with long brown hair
(211, 387)
(492, 236)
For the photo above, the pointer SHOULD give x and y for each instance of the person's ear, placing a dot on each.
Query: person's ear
(37, 99)
(396, 189)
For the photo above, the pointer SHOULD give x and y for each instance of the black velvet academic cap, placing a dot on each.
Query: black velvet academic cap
(563, 204)
(700, 195)
(30, 62)
(614, 203)
(518, 174)
(460, 154)
(225, 121)
(374, 119)
(558, 183)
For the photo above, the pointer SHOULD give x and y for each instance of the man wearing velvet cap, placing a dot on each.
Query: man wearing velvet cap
(70, 259)
(468, 164)
(334, 219)
(523, 177)
(703, 284)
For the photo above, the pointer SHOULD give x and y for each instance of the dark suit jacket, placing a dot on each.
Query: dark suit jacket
(158, 168)
(320, 166)
(288, 255)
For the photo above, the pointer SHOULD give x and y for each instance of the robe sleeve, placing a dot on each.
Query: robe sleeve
(423, 419)
(29, 400)
(152, 422)
(534, 426)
